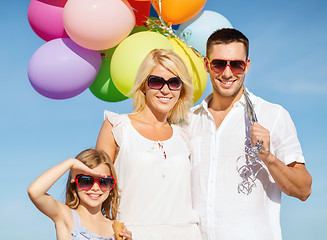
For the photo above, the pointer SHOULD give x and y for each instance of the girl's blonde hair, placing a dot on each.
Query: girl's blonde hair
(174, 63)
(92, 158)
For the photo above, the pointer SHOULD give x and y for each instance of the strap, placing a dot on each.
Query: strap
(77, 220)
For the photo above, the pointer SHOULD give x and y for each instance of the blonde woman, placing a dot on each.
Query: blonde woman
(151, 155)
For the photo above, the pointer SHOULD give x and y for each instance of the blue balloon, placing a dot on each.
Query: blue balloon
(196, 31)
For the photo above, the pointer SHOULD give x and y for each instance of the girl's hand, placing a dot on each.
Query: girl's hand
(80, 168)
(127, 235)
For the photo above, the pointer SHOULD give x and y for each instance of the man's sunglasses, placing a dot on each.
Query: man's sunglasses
(85, 182)
(219, 65)
(157, 83)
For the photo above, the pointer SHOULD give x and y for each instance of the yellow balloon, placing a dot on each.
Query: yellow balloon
(129, 55)
(194, 65)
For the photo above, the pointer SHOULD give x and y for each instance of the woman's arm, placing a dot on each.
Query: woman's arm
(106, 140)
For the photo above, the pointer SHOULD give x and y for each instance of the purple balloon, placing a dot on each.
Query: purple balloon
(62, 69)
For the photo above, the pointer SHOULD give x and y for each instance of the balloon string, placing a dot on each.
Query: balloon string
(166, 29)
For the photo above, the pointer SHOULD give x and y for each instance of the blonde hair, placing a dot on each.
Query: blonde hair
(174, 63)
(92, 158)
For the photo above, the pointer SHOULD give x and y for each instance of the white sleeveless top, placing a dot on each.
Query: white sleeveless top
(155, 182)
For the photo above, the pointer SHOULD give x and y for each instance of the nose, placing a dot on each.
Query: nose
(227, 73)
(165, 89)
(96, 186)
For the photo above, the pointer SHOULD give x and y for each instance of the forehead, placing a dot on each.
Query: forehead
(102, 168)
(230, 51)
(161, 71)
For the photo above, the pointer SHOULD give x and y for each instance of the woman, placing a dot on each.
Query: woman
(151, 154)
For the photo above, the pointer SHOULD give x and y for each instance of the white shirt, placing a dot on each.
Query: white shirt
(229, 209)
(154, 179)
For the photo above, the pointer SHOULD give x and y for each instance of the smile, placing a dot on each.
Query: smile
(164, 99)
(94, 196)
(227, 83)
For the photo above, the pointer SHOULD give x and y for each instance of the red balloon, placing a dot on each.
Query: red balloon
(141, 10)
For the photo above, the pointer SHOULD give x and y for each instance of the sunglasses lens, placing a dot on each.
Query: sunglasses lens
(107, 183)
(175, 83)
(237, 66)
(218, 65)
(155, 82)
(85, 182)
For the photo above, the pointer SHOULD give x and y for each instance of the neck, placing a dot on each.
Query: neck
(221, 103)
(84, 210)
(148, 116)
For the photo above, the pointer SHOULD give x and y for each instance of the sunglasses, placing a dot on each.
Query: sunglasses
(157, 83)
(85, 182)
(219, 65)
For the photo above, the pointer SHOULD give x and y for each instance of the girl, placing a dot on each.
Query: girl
(91, 197)
(151, 153)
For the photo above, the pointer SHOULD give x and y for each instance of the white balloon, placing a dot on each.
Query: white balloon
(196, 31)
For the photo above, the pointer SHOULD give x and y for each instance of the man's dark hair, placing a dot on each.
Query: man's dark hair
(226, 36)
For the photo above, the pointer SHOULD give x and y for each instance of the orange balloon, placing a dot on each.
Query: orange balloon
(178, 11)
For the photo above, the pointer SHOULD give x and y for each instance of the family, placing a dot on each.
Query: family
(168, 171)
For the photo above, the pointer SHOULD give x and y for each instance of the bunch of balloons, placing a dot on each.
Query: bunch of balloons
(100, 44)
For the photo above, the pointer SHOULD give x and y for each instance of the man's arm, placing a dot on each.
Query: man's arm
(292, 179)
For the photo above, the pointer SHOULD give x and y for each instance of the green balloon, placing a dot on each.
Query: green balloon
(103, 86)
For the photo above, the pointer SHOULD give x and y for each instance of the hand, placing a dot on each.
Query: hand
(80, 168)
(127, 235)
(260, 134)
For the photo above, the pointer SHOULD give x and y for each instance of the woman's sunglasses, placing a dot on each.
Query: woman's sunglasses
(157, 83)
(219, 65)
(85, 182)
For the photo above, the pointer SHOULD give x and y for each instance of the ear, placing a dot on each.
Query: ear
(206, 64)
(248, 62)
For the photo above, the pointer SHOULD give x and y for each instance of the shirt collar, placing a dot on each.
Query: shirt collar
(240, 103)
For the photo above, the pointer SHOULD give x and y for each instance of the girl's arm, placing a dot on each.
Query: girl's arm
(37, 190)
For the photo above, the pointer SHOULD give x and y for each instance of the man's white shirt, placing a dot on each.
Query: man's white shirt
(218, 157)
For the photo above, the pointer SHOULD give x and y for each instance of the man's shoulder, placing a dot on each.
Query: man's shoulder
(268, 111)
(264, 104)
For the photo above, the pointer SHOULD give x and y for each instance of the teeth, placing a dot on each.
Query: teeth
(226, 82)
(164, 99)
(94, 195)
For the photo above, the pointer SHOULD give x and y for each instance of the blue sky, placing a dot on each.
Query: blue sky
(288, 66)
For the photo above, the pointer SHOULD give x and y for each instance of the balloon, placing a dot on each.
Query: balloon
(194, 65)
(196, 31)
(129, 55)
(45, 18)
(141, 11)
(175, 12)
(103, 87)
(61, 69)
(98, 24)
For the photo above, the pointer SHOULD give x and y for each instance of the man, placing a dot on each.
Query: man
(242, 161)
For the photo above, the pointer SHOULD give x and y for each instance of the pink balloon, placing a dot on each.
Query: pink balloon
(45, 18)
(98, 24)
